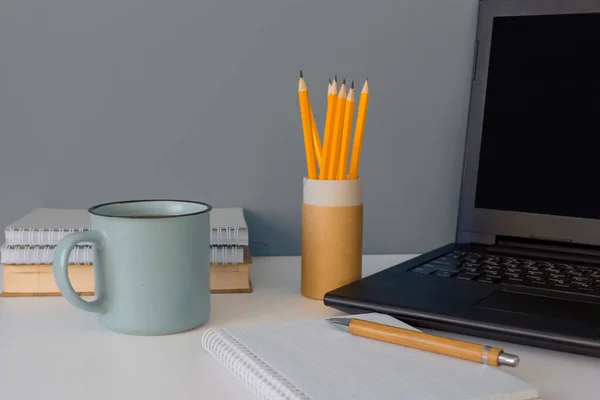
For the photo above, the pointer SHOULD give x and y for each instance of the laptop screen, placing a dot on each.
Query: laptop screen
(540, 150)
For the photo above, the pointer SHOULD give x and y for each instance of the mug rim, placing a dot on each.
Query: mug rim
(93, 209)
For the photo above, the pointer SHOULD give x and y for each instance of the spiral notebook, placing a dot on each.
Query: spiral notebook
(47, 226)
(311, 360)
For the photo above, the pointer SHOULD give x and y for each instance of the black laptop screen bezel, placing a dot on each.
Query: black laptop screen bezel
(486, 224)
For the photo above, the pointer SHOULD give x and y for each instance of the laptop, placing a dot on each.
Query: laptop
(525, 263)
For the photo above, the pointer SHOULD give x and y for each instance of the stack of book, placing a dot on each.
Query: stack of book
(28, 251)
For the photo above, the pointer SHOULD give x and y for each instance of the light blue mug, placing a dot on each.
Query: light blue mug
(151, 266)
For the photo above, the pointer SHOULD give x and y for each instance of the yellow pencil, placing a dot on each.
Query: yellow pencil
(315, 131)
(361, 118)
(346, 132)
(316, 138)
(337, 133)
(327, 134)
(307, 128)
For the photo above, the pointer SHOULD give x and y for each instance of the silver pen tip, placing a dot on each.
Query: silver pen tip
(340, 323)
(509, 360)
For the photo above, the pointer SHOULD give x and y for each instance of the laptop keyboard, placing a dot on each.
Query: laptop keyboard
(514, 271)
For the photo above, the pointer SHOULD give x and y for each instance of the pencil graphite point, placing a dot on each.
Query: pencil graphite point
(330, 81)
(352, 85)
(335, 78)
(344, 81)
(301, 75)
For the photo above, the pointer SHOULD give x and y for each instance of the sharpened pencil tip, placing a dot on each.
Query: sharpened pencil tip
(330, 81)
(301, 75)
(344, 81)
(352, 85)
(335, 78)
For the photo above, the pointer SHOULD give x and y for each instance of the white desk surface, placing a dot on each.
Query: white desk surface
(50, 350)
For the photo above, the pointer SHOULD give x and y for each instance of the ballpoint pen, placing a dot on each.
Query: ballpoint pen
(418, 340)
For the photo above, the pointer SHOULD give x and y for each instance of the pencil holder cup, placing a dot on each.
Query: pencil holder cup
(332, 225)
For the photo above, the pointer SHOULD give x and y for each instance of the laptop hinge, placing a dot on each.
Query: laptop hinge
(546, 248)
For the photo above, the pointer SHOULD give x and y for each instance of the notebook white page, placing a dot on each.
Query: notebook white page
(310, 359)
(229, 226)
(53, 219)
(227, 217)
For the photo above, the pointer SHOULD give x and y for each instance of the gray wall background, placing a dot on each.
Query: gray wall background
(119, 99)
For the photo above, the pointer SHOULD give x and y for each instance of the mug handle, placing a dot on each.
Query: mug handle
(60, 267)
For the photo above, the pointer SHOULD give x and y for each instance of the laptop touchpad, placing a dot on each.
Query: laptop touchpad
(546, 306)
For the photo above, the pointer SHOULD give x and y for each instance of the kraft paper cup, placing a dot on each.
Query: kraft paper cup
(332, 225)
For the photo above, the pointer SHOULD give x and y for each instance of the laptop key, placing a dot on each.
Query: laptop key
(513, 274)
(467, 276)
(445, 274)
(492, 268)
(423, 270)
(557, 281)
(513, 270)
(513, 281)
(497, 277)
(558, 276)
(579, 279)
(534, 278)
(582, 286)
(535, 273)
(446, 266)
(562, 285)
(488, 279)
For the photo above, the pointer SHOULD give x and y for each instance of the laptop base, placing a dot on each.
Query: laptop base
(541, 317)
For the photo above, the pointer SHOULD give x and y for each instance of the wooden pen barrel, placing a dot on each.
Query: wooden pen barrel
(423, 341)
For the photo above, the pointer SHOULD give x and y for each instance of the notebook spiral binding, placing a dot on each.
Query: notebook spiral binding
(222, 236)
(227, 254)
(32, 254)
(84, 254)
(225, 236)
(253, 371)
(38, 236)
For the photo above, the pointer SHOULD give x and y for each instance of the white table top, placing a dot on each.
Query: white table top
(50, 350)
